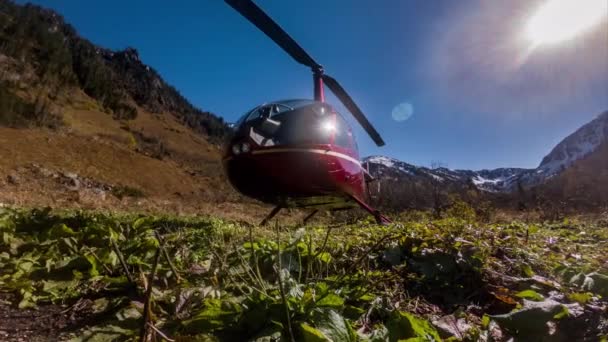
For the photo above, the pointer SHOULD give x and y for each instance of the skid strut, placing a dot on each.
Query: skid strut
(380, 219)
(272, 214)
(312, 213)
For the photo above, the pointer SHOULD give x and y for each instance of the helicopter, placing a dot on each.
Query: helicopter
(299, 153)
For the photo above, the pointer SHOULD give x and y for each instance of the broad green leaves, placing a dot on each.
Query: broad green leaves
(216, 314)
(532, 318)
(530, 294)
(405, 326)
(352, 285)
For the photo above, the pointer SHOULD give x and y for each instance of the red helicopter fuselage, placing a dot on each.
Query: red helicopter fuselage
(298, 153)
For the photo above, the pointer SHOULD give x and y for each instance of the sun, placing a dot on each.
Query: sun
(560, 20)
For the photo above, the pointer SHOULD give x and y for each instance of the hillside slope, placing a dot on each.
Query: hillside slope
(586, 140)
(45, 48)
(82, 126)
(584, 183)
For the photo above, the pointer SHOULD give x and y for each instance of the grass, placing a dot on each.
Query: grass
(121, 191)
(194, 278)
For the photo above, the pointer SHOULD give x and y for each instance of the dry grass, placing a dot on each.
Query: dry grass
(101, 150)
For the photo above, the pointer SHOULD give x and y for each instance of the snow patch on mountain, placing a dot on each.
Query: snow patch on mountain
(437, 178)
(479, 180)
(386, 161)
(578, 145)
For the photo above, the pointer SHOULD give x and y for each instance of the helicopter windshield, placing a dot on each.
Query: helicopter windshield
(296, 122)
(273, 108)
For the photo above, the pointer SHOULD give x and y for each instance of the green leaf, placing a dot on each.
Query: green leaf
(485, 321)
(215, 314)
(353, 312)
(527, 270)
(379, 334)
(324, 257)
(530, 294)
(531, 319)
(248, 246)
(59, 289)
(366, 298)
(141, 222)
(25, 266)
(93, 270)
(577, 279)
(563, 313)
(331, 300)
(27, 301)
(403, 325)
(580, 297)
(111, 258)
(310, 334)
(100, 305)
(129, 313)
(333, 326)
(103, 333)
(596, 283)
(61, 231)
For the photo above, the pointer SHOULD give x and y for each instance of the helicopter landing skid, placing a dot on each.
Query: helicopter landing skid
(309, 216)
(380, 219)
(270, 215)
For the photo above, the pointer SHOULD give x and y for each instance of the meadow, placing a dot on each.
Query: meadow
(94, 276)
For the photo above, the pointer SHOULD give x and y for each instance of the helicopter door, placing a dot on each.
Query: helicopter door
(263, 128)
(267, 125)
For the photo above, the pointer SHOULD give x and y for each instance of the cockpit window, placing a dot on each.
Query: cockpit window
(343, 134)
(268, 111)
(296, 103)
(244, 117)
(297, 122)
(273, 108)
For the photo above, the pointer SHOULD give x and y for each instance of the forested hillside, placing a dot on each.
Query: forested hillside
(83, 126)
(37, 46)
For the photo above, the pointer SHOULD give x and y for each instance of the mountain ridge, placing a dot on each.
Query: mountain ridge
(61, 59)
(82, 126)
(585, 141)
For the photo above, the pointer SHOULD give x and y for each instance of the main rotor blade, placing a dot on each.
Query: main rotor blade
(352, 107)
(262, 21)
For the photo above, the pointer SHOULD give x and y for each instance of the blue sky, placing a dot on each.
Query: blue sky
(481, 99)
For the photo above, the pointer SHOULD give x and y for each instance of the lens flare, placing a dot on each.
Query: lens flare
(328, 126)
(561, 20)
(402, 111)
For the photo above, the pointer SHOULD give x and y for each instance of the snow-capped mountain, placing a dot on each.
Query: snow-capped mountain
(582, 143)
(576, 146)
(498, 180)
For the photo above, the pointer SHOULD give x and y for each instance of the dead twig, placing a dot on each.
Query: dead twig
(99, 261)
(281, 289)
(121, 258)
(355, 264)
(167, 257)
(160, 332)
(324, 243)
(148, 298)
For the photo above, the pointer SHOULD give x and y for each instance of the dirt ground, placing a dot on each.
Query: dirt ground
(45, 323)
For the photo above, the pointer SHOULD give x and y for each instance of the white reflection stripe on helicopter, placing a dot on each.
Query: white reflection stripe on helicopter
(308, 150)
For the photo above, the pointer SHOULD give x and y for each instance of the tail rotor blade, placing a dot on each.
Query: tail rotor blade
(262, 21)
(352, 107)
